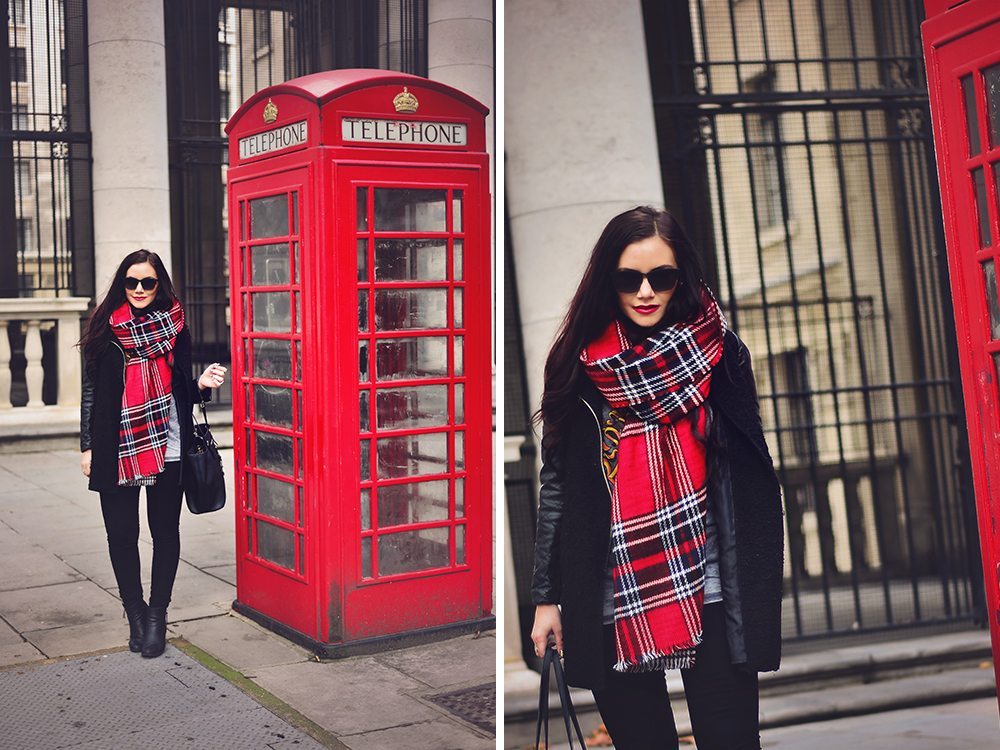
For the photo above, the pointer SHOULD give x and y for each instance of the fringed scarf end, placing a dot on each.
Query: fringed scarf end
(652, 662)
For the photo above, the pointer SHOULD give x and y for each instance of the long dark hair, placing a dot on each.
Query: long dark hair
(595, 305)
(97, 331)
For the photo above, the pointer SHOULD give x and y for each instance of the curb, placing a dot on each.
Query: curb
(268, 700)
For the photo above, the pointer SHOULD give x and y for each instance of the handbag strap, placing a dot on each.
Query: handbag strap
(569, 713)
(543, 701)
(204, 412)
(566, 703)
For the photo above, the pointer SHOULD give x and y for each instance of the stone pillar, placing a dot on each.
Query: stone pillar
(68, 358)
(511, 627)
(460, 53)
(128, 116)
(580, 147)
(5, 376)
(33, 372)
(511, 632)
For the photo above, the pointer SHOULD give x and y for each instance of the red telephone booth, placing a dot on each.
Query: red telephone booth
(359, 258)
(962, 52)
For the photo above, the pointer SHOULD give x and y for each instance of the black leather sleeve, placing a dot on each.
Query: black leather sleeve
(199, 394)
(86, 408)
(546, 582)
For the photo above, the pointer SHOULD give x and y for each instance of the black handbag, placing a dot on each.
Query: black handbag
(204, 480)
(568, 713)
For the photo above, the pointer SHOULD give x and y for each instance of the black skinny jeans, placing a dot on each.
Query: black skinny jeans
(121, 520)
(722, 700)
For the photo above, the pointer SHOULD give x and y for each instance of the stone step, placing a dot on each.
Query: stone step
(811, 706)
(872, 662)
(816, 686)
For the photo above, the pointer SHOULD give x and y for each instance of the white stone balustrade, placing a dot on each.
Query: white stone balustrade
(36, 314)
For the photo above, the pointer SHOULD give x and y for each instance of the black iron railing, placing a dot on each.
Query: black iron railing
(218, 54)
(46, 234)
(795, 144)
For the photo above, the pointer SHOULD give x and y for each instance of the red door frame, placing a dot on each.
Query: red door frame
(960, 40)
(456, 592)
(268, 586)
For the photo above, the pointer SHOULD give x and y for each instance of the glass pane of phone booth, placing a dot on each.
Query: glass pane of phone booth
(981, 94)
(411, 380)
(271, 349)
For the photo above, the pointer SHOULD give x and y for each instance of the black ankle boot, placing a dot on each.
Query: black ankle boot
(136, 614)
(155, 638)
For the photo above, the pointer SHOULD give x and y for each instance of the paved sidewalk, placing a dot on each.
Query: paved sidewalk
(969, 725)
(167, 703)
(58, 600)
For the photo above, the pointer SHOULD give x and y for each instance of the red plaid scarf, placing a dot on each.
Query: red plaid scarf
(658, 501)
(148, 341)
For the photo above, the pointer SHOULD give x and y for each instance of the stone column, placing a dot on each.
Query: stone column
(128, 115)
(580, 147)
(34, 374)
(460, 53)
(511, 628)
(5, 377)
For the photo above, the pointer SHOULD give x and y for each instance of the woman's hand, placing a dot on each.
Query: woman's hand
(85, 463)
(547, 621)
(213, 377)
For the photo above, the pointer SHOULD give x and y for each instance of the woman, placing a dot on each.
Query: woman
(135, 426)
(659, 522)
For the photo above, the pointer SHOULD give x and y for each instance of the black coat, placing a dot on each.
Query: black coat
(101, 405)
(574, 522)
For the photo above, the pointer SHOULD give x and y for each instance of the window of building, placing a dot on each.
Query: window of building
(20, 117)
(18, 64)
(17, 11)
(797, 423)
(25, 233)
(223, 57)
(262, 31)
(763, 136)
(23, 184)
(398, 48)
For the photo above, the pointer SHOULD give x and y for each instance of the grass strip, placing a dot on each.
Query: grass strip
(268, 700)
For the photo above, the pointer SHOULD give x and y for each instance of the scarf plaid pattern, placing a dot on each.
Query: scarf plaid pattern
(658, 500)
(148, 341)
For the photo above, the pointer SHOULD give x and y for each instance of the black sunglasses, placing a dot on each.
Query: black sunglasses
(661, 279)
(149, 283)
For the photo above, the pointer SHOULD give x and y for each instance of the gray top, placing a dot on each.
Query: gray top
(173, 435)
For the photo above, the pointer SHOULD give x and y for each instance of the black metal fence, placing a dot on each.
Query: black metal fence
(795, 143)
(46, 234)
(218, 54)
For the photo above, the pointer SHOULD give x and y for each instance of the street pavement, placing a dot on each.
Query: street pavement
(68, 680)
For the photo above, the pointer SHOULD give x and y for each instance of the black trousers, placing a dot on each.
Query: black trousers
(120, 508)
(722, 699)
